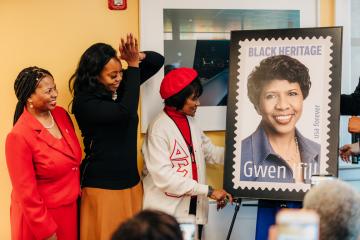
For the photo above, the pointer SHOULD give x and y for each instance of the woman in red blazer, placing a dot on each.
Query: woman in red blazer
(43, 157)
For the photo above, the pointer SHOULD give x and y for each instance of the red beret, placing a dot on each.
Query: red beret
(176, 80)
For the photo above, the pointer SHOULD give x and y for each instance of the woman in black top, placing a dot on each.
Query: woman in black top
(105, 106)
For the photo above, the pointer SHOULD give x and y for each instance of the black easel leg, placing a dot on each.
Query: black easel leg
(200, 230)
(237, 207)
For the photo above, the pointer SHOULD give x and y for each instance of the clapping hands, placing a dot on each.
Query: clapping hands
(129, 50)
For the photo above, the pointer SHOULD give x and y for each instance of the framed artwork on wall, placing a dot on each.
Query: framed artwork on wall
(283, 111)
(197, 34)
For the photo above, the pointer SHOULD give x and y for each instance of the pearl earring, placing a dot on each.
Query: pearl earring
(31, 106)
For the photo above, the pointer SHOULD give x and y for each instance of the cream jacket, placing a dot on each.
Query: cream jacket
(167, 174)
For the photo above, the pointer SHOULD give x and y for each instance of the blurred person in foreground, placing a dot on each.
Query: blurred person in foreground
(149, 225)
(338, 205)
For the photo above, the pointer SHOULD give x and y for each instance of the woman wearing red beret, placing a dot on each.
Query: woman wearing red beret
(175, 150)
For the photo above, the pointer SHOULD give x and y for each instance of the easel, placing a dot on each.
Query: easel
(315, 179)
(237, 202)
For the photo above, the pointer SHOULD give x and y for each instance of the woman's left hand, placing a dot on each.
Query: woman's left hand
(221, 203)
(129, 50)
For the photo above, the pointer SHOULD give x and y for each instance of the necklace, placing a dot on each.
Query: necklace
(52, 122)
(114, 96)
(293, 156)
(288, 155)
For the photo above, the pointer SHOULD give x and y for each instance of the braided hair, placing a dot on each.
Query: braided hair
(25, 84)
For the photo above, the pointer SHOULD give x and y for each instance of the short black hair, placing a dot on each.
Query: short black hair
(280, 67)
(149, 225)
(178, 100)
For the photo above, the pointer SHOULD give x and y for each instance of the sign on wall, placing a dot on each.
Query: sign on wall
(196, 34)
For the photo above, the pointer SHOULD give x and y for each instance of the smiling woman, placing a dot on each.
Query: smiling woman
(111, 75)
(105, 106)
(276, 151)
(42, 154)
(178, 186)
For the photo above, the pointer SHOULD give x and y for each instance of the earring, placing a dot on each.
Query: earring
(29, 101)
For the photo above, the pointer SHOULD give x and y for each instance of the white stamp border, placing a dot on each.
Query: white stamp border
(326, 42)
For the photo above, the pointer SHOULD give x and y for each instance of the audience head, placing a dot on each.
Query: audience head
(26, 83)
(338, 206)
(149, 225)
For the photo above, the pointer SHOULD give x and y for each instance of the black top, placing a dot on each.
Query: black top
(350, 103)
(109, 129)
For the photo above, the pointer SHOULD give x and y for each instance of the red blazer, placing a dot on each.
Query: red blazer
(43, 174)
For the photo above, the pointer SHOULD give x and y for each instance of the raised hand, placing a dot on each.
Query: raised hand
(129, 50)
